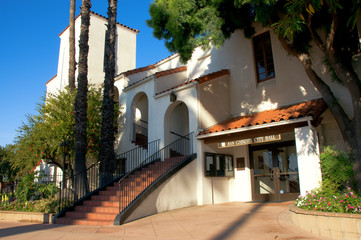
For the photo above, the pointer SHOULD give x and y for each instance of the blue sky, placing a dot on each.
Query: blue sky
(29, 48)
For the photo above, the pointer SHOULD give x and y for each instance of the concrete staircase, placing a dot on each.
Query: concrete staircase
(102, 209)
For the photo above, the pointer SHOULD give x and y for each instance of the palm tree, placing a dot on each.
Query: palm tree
(106, 154)
(80, 105)
(72, 46)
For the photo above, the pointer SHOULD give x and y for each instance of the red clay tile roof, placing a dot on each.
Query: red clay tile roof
(311, 108)
(138, 70)
(135, 30)
(212, 76)
(170, 71)
(201, 79)
(158, 74)
(142, 69)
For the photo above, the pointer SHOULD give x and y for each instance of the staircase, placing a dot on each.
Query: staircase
(102, 209)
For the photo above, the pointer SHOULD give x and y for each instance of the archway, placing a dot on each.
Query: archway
(176, 122)
(139, 123)
(116, 95)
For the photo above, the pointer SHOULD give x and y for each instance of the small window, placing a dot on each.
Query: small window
(218, 165)
(263, 57)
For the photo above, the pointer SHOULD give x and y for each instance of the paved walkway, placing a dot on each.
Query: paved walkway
(212, 222)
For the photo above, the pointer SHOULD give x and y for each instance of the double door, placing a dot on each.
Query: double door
(275, 172)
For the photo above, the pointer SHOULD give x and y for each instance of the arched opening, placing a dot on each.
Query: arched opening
(140, 119)
(176, 122)
(116, 95)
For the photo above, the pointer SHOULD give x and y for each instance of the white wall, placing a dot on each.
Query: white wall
(308, 158)
(125, 56)
(214, 104)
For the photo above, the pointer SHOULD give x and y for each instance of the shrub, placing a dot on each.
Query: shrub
(336, 169)
(32, 196)
(26, 188)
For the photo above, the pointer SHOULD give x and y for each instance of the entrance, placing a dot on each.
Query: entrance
(275, 171)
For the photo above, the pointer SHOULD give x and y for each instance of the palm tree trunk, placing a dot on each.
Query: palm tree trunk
(72, 46)
(80, 105)
(106, 154)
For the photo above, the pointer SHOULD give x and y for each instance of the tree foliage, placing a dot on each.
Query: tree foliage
(41, 135)
(7, 173)
(187, 24)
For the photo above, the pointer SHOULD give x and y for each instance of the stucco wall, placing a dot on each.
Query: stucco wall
(214, 102)
(125, 47)
(308, 158)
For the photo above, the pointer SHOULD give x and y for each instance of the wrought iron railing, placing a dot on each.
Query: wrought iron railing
(139, 154)
(100, 174)
(157, 164)
(138, 129)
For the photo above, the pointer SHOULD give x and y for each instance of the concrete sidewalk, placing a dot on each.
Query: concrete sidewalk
(211, 222)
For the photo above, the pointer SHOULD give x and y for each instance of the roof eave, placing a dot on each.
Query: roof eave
(255, 127)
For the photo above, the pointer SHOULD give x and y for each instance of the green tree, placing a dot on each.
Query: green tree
(7, 173)
(107, 154)
(41, 135)
(327, 25)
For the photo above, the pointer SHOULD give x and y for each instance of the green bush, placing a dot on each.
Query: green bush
(26, 188)
(336, 169)
(32, 197)
(333, 195)
(45, 205)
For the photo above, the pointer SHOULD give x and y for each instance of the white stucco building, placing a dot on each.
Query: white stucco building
(257, 120)
(257, 130)
(125, 46)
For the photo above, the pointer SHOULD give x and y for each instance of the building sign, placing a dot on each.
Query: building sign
(247, 141)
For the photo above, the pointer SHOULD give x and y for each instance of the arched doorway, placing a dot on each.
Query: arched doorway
(116, 95)
(176, 122)
(140, 119)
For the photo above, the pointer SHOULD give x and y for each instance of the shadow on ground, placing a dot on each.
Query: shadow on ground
(237, 224)
(11, 231)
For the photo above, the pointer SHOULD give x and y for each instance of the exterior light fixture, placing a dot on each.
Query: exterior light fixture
(172, 97)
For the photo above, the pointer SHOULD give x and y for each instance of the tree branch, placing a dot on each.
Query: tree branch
(331, 36)
(315, 36)
(321, 86)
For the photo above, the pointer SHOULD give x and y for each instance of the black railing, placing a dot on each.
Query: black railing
(131, 185)
(138, 129)
(100, 174)
(179, 135)
(139, 154)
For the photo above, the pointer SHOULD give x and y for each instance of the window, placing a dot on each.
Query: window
(263, 57)
(218, 165)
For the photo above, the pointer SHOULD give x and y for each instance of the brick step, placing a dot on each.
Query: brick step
(95, 203)
(102, 209)
(124, 192)
(97, 209)
(91, 216)
(82, 222)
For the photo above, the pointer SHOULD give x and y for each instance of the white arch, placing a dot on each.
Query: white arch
(176, 120)
(139, 115)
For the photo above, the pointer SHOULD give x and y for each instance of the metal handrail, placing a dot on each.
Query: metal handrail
(179, 135)
(156, 165)
(92, 179)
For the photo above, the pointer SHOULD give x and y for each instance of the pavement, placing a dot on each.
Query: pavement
(229, 221)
